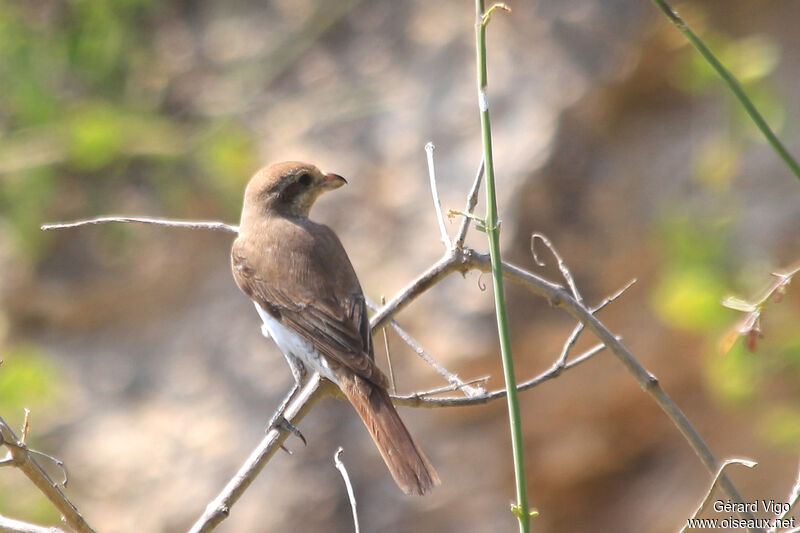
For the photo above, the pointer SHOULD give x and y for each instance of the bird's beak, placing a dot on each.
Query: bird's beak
(333, 181)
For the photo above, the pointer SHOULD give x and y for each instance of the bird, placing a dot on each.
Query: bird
(306, 292)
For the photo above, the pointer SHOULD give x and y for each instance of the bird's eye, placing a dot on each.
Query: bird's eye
(304, 179)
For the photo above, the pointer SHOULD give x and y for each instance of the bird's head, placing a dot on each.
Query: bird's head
(289, 188)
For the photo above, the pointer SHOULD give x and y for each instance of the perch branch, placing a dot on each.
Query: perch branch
(219, 509)
(464, 260)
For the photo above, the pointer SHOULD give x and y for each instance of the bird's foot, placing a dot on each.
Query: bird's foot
(278, 421)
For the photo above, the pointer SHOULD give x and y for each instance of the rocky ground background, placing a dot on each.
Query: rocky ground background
(145, 368)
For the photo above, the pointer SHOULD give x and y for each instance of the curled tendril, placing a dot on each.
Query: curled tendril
(534, 237)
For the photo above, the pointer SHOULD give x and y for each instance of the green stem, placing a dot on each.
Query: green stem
(521, 509)
(733, 84)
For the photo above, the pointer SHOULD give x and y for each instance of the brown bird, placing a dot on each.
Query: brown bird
(304, 287)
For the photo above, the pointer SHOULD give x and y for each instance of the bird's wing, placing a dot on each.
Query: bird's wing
(326, 307)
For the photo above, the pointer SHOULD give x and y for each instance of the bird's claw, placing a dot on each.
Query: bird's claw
(279, 422)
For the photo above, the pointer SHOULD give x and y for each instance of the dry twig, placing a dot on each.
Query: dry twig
(9, 525)
(437, 205)
(744, 462)
(350, 494)
(466, 259)
(452, 378)
(20, 456)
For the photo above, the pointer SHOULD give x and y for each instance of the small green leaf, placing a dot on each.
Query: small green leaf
(516, 510)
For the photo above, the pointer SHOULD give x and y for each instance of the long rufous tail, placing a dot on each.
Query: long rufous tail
(409, 467)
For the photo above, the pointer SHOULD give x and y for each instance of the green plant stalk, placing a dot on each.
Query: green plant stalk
(733, 84)
(493, 233)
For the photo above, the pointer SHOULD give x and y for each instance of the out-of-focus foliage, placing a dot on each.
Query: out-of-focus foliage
(692, 278)
(83, 116)
(29, 379)
(697, 266)
(751, 59)
(82, 111)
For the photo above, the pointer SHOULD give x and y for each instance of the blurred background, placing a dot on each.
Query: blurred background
(144, 366)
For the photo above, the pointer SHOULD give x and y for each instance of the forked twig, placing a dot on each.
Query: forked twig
(452, 378)
(20, 456)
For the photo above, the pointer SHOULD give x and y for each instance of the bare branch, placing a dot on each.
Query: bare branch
(189, 224)
(562, 265)
(388, 352)
(558, 297)
(573, 337)
(9, 525)
(453, 260)
(463, 260)
(350, 494)
(744, 462)
(453, 379)
(25, 426)
(20, 455)
(472, 201)
(435, 193)
(567, 275)
(423, 399)
(448, 388)
(219, 509)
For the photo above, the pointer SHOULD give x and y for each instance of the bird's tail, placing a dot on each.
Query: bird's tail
(409, 467)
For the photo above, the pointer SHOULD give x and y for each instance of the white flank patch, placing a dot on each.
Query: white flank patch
(293, 344)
